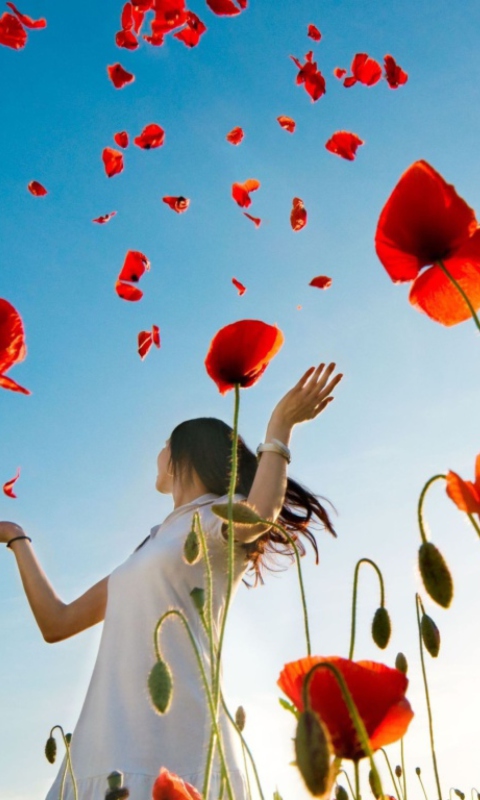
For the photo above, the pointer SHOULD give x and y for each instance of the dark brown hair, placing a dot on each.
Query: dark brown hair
(205, 445)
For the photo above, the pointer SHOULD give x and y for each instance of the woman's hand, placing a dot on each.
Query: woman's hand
(307, 399)
(8, 530)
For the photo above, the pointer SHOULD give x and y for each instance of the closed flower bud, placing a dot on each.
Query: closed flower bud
(115, 780)
(51, 749)
(191, 548)
(198, 596)
(418, 770)
(459, 794)
(401, 663)
(374, 784)
(430, 635)
(313, 752)
(240, 717)
(398, 771)
(341, 793)
(242, 514)
(435, 574)
(68, 737)
(160, 686)
(381, 628)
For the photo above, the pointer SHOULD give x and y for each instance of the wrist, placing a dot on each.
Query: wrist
(276, 429)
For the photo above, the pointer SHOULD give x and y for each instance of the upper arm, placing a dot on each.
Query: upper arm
(82, 613)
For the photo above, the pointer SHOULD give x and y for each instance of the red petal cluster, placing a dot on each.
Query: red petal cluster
(191, 33)
(240, 353)
(235, 136)
(364, 70)
(241, 191)
(394, 75)
(112, 161)
(314, 33)
(8, 486)
(287, 123)
(241, 288)
(36, 188)
(178, 204)
(146, 339)
(377, 691)
(151, 136)
(131, 21)
(105, 218)
(310, 76)
(425, 222)
(121, 138)
(134, 266)
(321, 282)
(465, 494)
(119, 76)
(12, 32)
(12, 344)
(344, 144)
(298, 214)
(169, 786)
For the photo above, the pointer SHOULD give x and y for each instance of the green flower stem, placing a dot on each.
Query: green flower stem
(358, 796)
(352, 710)
(354, 598)
(208, 622)
(68, 765)
(246, 771)
(459, 289)
(421, 784)
(404, 773)
(348, 781)
(418, 603)
(396, 786)
(421, 523)
(176, 612)
(475, 524)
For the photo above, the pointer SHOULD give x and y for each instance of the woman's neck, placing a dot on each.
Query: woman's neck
(183, 494)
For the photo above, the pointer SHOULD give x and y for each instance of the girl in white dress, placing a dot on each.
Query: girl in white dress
(118, 728)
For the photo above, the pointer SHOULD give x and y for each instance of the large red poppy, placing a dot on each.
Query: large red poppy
(12, 344)
(425, 221)
(378, 693)
(310, 76)
(169, 786)
(465, 494)
(241, 352)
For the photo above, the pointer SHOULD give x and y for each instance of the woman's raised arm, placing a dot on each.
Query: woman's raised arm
(57, 620)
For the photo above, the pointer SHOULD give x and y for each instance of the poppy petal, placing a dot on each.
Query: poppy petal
(119, 76)
(126, 39)
(134, 266)
(298, 214)
(12, 336)
(8, 383)
(241, 288)
(128, 292)
(314, 33)
(256, 220)
(321, 282)
(105, 218)
(156, 335)
(235, 136)
(365, 69)
(8, 486)
(241, 191)
(223, 8)
(178, 204)
(121, 138)
(344, 144)
(151, 136)
(12, 32)
(393, 726)
(477, 474)
(434, 293)
(287, 123)
(195, 28)
(145, 342)
(170, 786)
(36, 188)
(26, 20)
(112, 160)
(394, 75)
(310, 76)
(339, 72)
(463, 493)
(423, 220)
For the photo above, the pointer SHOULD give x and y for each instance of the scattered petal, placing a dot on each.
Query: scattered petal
(394, 75)
(177, 204)
(310, 76)
(128, 292)
(339, 72)
(241, 191)
(465, 494)
(112, 160)
(225, 8)
(121, 138)
(344, 144)
(314, 33)
(321, 282)
(256, 220)
(151, 136)
(298, 214)
(241, 288)
(12, 344)
(27, 21)
(105, 218)
(8, 383)
(12, 32)
(36, 188)
(134, 266)
(195, 28)
(146, 339)
(119, 76)
(364, 70)
(287, 123)
(156, 335)
(235, 136)
(8, 486)
(126, 39)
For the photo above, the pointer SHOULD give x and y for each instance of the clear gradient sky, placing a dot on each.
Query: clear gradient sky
(88, 437)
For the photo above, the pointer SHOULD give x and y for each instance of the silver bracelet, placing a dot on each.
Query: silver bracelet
(275, 446)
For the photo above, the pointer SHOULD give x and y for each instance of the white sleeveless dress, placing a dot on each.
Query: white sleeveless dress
(118, 728)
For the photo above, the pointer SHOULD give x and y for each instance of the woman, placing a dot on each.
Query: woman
(118, 728)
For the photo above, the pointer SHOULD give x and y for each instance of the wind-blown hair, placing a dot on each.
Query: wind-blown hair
(205, 445)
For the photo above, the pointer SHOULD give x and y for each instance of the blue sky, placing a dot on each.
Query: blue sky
(88, 436)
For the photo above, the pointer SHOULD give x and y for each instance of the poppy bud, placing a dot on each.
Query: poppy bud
(418, 770)
(117, 794)
(277, 795)
(401, 663)
(374, 784)
(198, 596)
(68, 737)
(341, 793)
(430, 635)
(240, 718)
(115, 780)
(241, 513)
(51, 749)
(191, 548)
(398, 771)
(460, 794)
(312, 750)
(435, 574)
(381, 628)
(160, 686)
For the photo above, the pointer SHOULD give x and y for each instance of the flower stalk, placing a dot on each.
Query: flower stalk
(354, 598)
(418, 604)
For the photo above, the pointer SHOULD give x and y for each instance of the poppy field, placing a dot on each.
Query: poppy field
(200, 201)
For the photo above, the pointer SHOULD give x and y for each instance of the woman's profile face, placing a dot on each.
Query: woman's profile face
(164, 481)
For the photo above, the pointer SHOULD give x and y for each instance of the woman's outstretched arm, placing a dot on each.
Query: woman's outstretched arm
(57, 620)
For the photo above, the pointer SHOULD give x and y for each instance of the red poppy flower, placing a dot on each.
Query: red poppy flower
(146, 339)
(126, 39)
(241, 288)
(112, 160)
(195, 28)
(286, 122)
(424, 221)
(256, 220)
(344, 144)
(27, 21)
(105, 218)
(364, 70)
(298, 214)
(178, 204)
(378, 693)
(241, 352)
(12, 344)
(339, 72)
(128, 292)
(310, 76)
(119, 76)
(225, 8)
(121, 138)
(169, 786)
(151, 136)
(394, 74)
(321, 282)
(241, 191)
(235, 136)
(36, 188)
(465, 494)
(12, 32)
(8, 486)
(314, 33)
(134, 266)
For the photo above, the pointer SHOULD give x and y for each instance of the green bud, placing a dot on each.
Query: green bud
(160, 686)
(381, 628)
(435, 574)
(115, 780)
(51, 749)
(191, 548)
(312, 750)
(401, 663)
(240, 718)
(374, 784)
(276, 795)
(198, 596)
(340, 793)
(418, 770)
(242, 514)
(459, 794)
(398, 771)
(68, 737)
(430, 635)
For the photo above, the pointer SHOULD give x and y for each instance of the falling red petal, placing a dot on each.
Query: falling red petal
(314, 33)
(339, 72)
(321, 282)
(134, 266)
(126, 19)
(105, 218)
(298, 214)
(126, 39)
(256, 220)
(12, 32)
(12, 344)
(119, 76)
(8, 486)
(394, 75)
(128, 292)
(224, 8)
(240, 191)
(36, 188)
(27, 21)
(344, 144)
(235, 136)
(151, 136)
(112, 160)
(156, 335)
(8, 383)
(287, 123)
(241, 288)
(365, 70)
(310, 76)
(121, 138)
(195, 28)
(178, 204)
(145, 342)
